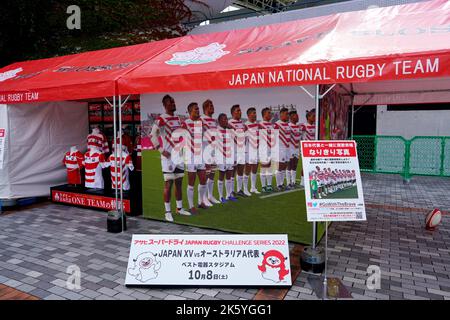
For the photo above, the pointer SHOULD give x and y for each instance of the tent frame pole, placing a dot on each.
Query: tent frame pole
(317, 96)
(120, 162)
(353, 116)
(121, 104)
(317, 106)
(113, 104)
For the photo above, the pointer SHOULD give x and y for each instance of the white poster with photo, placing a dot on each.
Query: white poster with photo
(213, 260)
(333, 188)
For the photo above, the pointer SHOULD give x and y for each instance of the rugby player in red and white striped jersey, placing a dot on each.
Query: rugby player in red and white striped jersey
(296, 136)
(284, 148)
(308, 129)
(266, 143)
(165, 127)
(224, 158)
(195, 165)
(209, 131)
(238, 127)
(251, 154)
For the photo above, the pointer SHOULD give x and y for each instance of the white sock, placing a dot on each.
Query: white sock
(245, 183)
(293, 176)
(287, 173)
(179, 204)
(167, 206)
(239, 183)
(229, 186)
(220, 188)
(232, 183)
(269, 178)
(190, 196)
(262, 177)
(253, 178)
(201, 192)
(278, 177)
(210, 186)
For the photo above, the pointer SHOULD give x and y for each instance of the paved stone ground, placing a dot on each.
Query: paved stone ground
(38, 244)
(421, 192)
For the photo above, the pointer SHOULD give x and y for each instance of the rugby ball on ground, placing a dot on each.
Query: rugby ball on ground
(433, 219)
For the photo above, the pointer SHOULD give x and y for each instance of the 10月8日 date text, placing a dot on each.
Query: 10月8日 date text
(225, 309)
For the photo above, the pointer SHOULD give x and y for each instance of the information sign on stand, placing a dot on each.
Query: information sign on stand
(333, 192)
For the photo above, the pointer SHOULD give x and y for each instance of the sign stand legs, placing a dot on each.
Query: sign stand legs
(325, 279)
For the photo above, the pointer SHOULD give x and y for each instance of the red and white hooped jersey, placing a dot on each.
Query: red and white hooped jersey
(209, 128)
(225, 143)
(94, 163)
(119, 175)
(73, 161)
(167, 124)
(296, 135)
(195, 129)
(239, 128)
(308, 131)
(266, 133)
(252, 129)
(98, 140)
(126, 141)
(284, 133)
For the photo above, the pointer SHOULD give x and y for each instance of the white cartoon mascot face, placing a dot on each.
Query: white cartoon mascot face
(145, 267)
(273, 266)
(199, 55)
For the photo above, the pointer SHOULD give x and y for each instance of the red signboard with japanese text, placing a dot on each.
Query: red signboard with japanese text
(89, 200)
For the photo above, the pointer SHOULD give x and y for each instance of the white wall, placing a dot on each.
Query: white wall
(38, 136)
(413, 123)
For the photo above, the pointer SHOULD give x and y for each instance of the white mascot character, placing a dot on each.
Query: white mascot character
(145, 267)
(273, 266)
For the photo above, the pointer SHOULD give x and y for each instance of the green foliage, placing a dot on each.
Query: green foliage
(37, 29)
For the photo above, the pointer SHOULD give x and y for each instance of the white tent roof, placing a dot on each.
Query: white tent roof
(430, 90)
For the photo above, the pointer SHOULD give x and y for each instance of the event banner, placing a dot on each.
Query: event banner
(333, 189)
(2, 145)
(213, 260)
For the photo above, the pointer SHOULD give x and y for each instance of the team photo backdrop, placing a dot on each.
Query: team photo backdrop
(280, 212)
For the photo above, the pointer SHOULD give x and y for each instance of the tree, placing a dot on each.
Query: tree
(37, 29)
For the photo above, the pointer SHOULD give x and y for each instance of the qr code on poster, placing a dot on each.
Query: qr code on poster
(359, 215)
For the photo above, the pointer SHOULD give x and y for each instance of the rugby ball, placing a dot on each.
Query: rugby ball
(433, 219)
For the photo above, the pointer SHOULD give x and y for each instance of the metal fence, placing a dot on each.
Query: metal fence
(394, 154)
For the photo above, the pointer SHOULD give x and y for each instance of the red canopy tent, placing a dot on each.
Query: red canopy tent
(398, 42)
(393, 43)
(79, 76)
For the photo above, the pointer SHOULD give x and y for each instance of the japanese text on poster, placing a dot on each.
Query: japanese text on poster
(333, 188)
